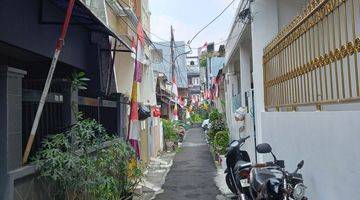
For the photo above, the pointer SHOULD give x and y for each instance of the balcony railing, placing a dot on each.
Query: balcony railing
(314, 60)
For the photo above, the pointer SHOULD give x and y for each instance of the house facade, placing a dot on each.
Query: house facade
(294, 66)
(193, 78)
(98, 43)
(126, 17)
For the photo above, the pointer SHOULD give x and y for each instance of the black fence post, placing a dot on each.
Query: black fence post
(71, 104)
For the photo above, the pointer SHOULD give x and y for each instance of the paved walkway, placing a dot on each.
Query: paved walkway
(193, 172)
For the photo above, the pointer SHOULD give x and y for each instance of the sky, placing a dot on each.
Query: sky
(188, 17)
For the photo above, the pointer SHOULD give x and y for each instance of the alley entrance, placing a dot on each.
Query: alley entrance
(192, 174)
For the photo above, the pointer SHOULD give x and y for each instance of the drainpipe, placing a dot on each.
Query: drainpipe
(252, 114)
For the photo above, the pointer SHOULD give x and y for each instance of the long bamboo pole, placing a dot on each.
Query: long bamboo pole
(59, 45)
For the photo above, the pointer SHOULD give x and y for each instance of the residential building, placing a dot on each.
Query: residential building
(218, 92)
(26, 49)
(126, 17)
(163, 69)
(294, 65)
(164, 65)
(214, 63)
(123, 17)
(193, 77)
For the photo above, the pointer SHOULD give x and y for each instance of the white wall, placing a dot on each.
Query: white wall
(245, 73)
(288, 9)
(235, 34)
(328, 142)
(264, 28)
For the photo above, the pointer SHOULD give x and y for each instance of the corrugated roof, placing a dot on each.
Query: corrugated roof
(217, 63)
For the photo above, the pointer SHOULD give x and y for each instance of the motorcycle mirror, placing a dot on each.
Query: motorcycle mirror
(263, 148)
(301, 164)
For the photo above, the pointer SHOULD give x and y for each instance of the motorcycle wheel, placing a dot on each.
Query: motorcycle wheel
(230, 183)
(245, 190)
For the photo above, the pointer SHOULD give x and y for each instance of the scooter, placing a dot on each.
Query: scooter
(238, 169)
(271, 181)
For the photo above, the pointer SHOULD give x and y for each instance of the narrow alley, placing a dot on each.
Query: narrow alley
(179, 99)
(193, 172)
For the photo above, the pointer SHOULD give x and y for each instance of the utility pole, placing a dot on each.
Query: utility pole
(172, 53)
(172, 59)
(207, 74)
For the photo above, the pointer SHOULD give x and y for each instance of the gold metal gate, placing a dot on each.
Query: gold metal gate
(314, 60)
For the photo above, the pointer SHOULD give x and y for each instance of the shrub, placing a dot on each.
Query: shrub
(75, 166)
(218, 124)
(204, 113)
(118, 173)
(196, 118)
(170, 130)
(221, 141)
(215, 115)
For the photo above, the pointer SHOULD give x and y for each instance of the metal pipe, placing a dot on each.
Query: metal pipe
(355, 52)
(58, 48)
(348, 56)
(341, 60)
(326, 95)
(336, 65)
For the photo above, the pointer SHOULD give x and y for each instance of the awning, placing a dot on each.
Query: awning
(83, 15)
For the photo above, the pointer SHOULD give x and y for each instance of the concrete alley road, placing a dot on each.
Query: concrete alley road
(192, 174)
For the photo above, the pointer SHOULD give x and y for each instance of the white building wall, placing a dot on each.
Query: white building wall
(245, 73)
(327, 141)
(288, 9)
(264, 29)
(235, 34)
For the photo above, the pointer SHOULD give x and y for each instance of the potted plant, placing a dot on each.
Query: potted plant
(170, 134)
(221, 142)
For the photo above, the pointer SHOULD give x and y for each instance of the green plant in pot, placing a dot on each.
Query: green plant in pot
(221, 142)
(170, 134)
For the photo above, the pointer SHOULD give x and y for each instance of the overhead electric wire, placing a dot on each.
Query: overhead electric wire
(145, 30)
(230, 38)
(180, 75)
(164, 45)
(212, 21)
(146, 38)
(134, 31)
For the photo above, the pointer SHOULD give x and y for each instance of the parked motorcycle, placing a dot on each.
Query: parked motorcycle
(271, 181)
(238, 169)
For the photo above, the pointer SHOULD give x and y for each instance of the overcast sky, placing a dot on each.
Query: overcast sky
(188, 17)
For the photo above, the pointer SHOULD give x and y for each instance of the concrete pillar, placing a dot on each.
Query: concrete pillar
(245, 73)
(10, 122)
(121, 115)
(263, 31)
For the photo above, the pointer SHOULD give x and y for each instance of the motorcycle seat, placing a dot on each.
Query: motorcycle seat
(259, 177)
(241, 165)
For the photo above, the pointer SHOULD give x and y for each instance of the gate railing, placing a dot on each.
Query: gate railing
(314, 60)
